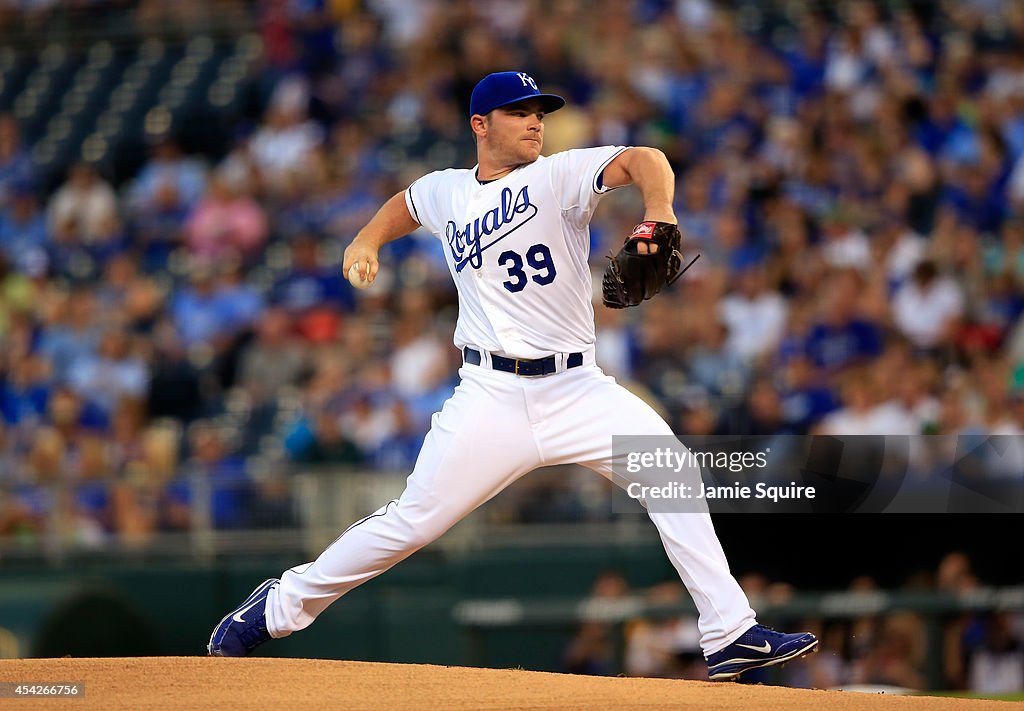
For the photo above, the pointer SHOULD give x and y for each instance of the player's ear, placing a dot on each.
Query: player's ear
(479, 125)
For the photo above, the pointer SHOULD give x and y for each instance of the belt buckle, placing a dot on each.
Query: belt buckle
(517, 366)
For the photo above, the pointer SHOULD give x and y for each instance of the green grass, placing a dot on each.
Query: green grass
(1017, 696)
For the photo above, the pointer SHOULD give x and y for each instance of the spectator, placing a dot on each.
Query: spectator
(760, 414)
(755, 315)
(840, 338)
(845, 246)
(113, 374)
(73, 330)
(23, 233)
(76, 258)
(91, 492)
(282, 146)
(215, 487)
(8, 462)
(143, 504)
(860, 413)
(715, 367)
(157, 458)
(697, 217)
(308, 289)
(320, 439)
(909, 399)
(84, 200)
(15, 161)
(204, 314)
(136, 298)
(730, 247)
(175, 388)
(996, 664)
(928, 308)
(614, 342)
(72, 416)
(272, 505)
(797, 268)
(127, 425)
(369, 421)
(225, 224)
(169, 184)
(274, 360)
(830, 667)
(238, 169)
(591, 650)
(239, 304)
(331, 385)
(399, 451)
(25, 392)
(955, 576)
(664, 645)
(805, 400)
(896, 657)
(17, 294)
(160, 198)
(419, 362)
(35, 497)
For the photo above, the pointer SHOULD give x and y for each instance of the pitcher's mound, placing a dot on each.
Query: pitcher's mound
(312, 684)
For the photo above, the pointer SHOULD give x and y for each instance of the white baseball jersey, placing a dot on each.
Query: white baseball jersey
(518, 250)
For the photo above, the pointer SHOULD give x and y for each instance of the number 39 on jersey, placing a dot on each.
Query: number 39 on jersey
(538, 257)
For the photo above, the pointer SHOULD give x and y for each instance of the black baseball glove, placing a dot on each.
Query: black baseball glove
(632, 276)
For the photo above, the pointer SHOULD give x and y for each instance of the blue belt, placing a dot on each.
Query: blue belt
(541, 366)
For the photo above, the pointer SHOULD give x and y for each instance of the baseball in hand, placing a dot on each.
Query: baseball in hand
(356, 278)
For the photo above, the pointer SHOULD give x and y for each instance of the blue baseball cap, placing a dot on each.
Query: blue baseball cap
(504, 88)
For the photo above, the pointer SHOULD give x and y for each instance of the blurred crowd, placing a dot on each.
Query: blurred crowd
(852, 174)
(979, 651)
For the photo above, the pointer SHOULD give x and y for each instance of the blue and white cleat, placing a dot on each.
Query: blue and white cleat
(244, 628)
(759, 647)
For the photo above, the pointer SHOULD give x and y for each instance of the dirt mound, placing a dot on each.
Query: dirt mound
(311, 684)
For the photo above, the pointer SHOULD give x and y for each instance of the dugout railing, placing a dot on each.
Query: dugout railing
(480, 617)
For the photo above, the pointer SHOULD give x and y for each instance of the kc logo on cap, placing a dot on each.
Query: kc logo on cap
(527, 79)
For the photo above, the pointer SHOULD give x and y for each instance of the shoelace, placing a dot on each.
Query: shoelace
(771, 632)
(253, 635)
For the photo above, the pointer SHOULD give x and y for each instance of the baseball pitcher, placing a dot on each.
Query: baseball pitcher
(516, 239)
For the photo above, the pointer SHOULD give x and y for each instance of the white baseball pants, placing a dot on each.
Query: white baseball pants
(495, 428)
